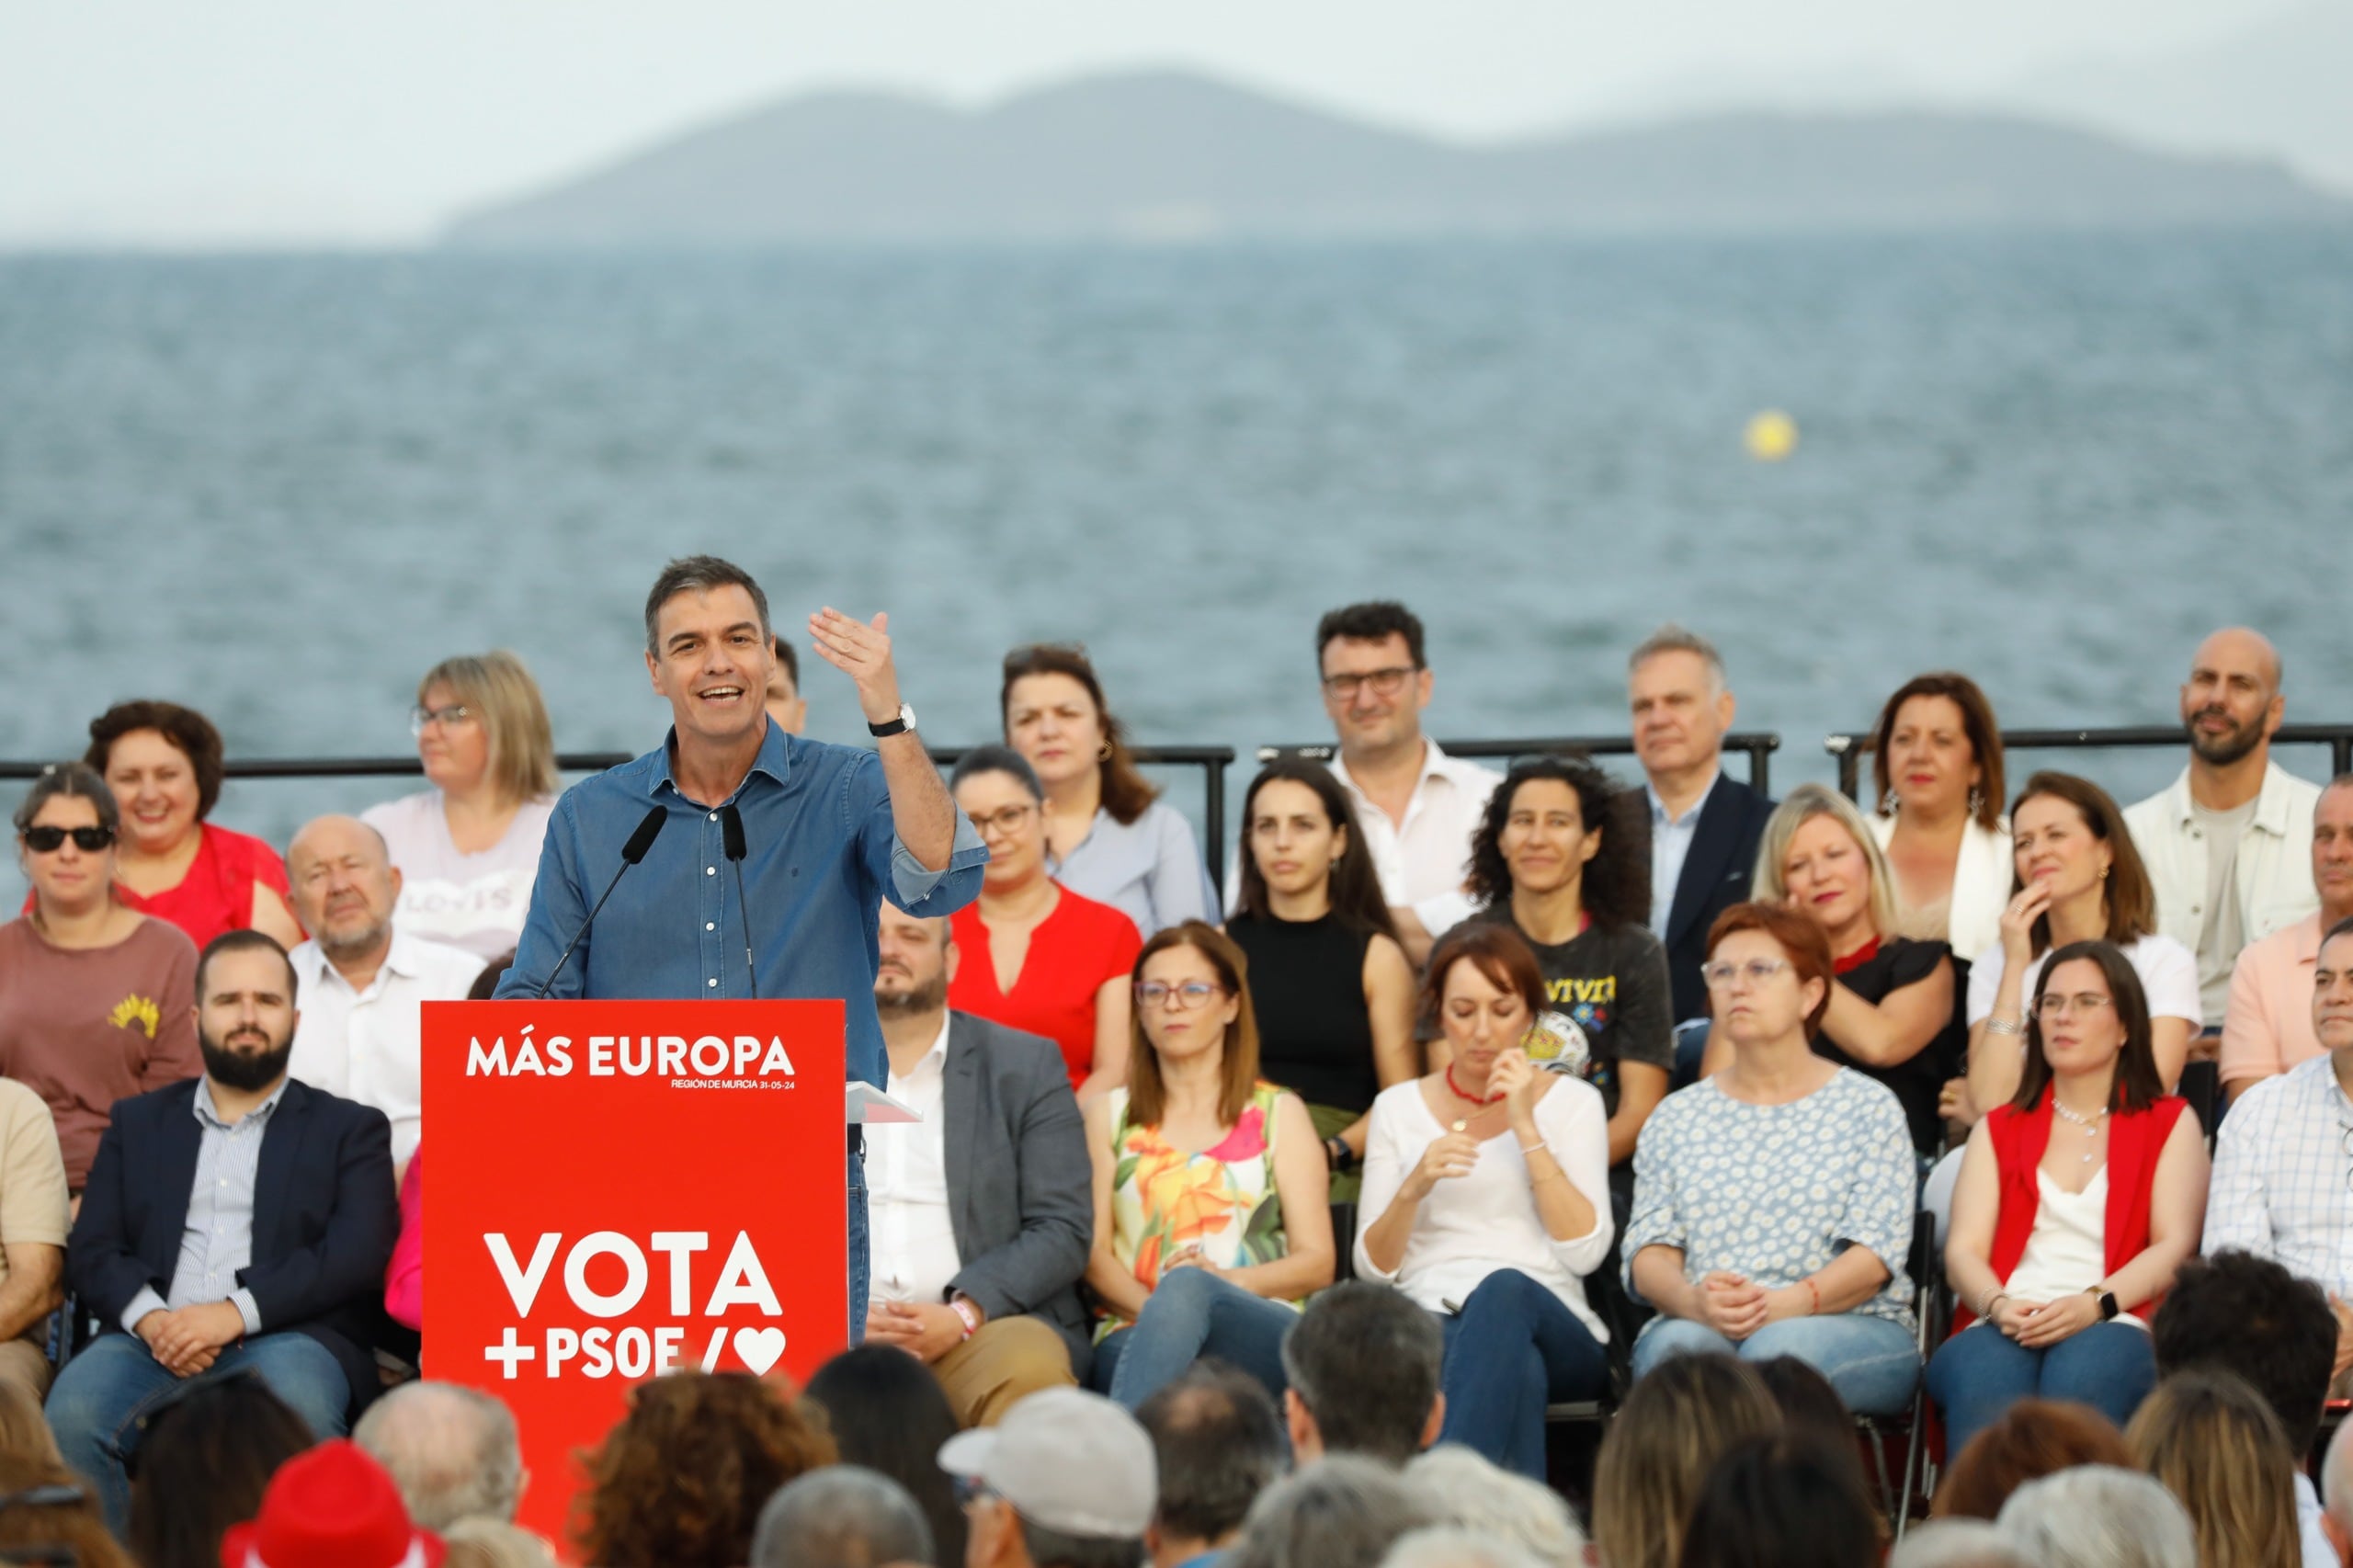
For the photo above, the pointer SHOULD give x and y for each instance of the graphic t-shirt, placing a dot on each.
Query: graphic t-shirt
(1610, 1003)
(476, 902)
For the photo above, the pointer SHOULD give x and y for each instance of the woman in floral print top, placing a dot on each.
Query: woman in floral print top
(1211, 1216)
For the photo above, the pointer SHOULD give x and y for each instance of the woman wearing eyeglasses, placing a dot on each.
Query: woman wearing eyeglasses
(97, 1000)
(2076, 1203)
(163, 764)
(1773, 1201)
(1032, 954)
(468, 848)
(1488, 1183)
(1212, 1220)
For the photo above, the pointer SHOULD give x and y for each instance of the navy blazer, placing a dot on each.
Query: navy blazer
(1717, 874)
(326, 1216)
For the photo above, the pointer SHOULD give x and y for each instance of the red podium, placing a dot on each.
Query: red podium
(617, 1188)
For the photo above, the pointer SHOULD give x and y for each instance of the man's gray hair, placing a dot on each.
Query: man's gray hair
(698, 574)
(1345, 1512)
(843, 1516)
(451, 1451)
(1956, 1543)
(2336, 1477)
(1456, 1546)
(1531, 1516)
(2098, 1516)
(1674, 638)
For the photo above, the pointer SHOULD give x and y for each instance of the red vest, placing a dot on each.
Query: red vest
(2135, 1139)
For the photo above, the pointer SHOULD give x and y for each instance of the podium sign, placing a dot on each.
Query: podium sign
(617, 1188)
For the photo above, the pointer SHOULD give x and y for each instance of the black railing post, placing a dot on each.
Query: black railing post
(1848, 746)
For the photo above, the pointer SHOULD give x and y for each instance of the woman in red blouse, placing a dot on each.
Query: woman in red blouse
(1030, 954)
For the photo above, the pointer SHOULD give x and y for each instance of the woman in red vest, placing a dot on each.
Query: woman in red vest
(2077, 1200)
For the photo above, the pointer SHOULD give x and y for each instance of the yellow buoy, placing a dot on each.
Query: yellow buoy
(1771, 435)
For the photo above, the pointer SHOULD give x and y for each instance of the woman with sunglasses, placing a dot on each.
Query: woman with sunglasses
(468, 848)
(1773, 1203)
(1488, 1182)
(2076, 1203)
(1211, 1213)
(97, 1002)
(1030, 954)
(163, 763)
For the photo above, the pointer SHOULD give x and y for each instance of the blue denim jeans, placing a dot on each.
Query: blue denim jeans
(1872, 1362)
(1979, 1372)
(95, 1403)
(1513, 1349)
(859, 1263)
(1192, 1314)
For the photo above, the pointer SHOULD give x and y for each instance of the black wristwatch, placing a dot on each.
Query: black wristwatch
(1343, 1158)
(2107, 1301)
(900, 725)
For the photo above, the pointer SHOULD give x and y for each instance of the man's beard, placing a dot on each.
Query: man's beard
(240, 1070)
(908, 1004)
(2231, 746)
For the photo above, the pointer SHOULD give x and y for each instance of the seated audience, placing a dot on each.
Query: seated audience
(973, 1268)
(1773, 1203)
(2239, 1313)
(33, 1221)
(1218, 1443)
(2078, 879)
(466, 849)
(52, 1518)
(1109, 835)
(282, 1277)
(1937, 771)
(2032, 1438)
(331, 1505)
(97, 1000)
(2076, 1203)
(1333, 993)
(1040, 958)
(1211, 1219)
(1067, 1480)
(1659, 1448)
(2098, 1516)
(787, 709)
(1702, 827)
(1346, 1512)
(2219, 1449)
(842, 1517)
(1362, 1368)
(1785, 1501)
(452, 1450)
(2268, 1028)
(1486, 1198)
(738, 1436)
(2226, 843)
(163, 763)
(1416, 806)
(405, 1279)
(206, 1456)
(365, 977)
(1892, 1016)
(1472, 1494)
(888, 1413)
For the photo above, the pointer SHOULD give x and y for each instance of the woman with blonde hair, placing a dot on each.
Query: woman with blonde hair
(468, 848)
(1666, 1438)
(2218, 1447)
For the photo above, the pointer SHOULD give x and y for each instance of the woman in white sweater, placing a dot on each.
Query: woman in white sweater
(1488, 1183)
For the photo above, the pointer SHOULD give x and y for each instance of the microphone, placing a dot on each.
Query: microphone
(730, 836)
(631, 853)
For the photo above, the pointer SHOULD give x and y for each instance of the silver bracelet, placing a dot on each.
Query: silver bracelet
(1996, 1024)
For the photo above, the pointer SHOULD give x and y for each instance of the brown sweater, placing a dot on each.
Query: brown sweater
(86, 1026)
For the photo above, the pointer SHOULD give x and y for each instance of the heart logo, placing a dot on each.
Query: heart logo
(759, 1347)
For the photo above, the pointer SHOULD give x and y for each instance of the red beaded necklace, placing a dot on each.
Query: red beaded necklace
(1458, 1091)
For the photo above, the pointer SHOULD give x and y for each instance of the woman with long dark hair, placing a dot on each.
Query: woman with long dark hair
(888, 1412)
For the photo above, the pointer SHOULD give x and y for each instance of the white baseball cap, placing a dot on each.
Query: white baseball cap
(1067, 1459)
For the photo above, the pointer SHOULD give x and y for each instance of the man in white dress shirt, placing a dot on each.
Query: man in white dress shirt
(362, 981)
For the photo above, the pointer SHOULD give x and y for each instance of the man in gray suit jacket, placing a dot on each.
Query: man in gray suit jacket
(982, 1214)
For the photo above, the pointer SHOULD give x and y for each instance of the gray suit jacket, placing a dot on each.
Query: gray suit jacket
(1021, 1190)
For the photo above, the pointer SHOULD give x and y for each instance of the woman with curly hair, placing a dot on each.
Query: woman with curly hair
(679, 1483)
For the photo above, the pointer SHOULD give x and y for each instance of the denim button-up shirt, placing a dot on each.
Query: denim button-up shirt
(821, 854)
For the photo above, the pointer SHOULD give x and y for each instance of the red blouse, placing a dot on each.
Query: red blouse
(217, 894)
(1072, 953)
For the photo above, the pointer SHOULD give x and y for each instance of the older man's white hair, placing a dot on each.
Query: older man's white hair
(451, 1450)
(2098, 1516)
(1956, 1543)
(1343, 1511)
(1469, 1491)
(1454, 1546)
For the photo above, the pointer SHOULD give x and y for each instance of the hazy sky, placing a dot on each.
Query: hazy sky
(223, 121)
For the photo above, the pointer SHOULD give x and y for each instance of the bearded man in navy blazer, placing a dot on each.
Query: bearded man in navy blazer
(1703, 827)
(240, 1222)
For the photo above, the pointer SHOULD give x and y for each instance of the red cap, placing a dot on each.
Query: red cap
(331, 1507)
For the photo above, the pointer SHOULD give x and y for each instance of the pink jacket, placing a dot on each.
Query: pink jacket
(404, 1282)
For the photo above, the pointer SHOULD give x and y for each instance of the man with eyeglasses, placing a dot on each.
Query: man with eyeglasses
(1417, 807)
(1067, 1480)
(2283, 1166)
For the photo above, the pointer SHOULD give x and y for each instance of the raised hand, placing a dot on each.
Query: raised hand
(861, 650)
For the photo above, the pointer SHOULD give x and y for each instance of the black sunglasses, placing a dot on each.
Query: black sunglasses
(49, 840)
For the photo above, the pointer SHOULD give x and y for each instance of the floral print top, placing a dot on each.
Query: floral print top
(1222, 1200)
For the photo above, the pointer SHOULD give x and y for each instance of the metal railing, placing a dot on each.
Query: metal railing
(1852, 747)
(341, 766)
(1756, 745)
(1211, 760)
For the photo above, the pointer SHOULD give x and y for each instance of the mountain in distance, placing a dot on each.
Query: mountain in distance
(1169, 155)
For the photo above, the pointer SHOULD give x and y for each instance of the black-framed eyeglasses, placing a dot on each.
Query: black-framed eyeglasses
(1385, 682)
(420, 717)
(1003, 820)
(48, 839)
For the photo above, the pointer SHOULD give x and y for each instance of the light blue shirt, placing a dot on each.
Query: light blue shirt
(218, 1242)
(1670, 846)
(1149, 869)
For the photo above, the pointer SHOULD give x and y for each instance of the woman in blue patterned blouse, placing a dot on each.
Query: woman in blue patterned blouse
(1773, 1203)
